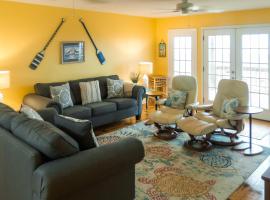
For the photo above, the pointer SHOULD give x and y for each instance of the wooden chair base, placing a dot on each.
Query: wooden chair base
(198, 144)
(165, 132)
(225, 139)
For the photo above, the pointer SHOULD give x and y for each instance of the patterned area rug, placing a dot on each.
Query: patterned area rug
(171, 172)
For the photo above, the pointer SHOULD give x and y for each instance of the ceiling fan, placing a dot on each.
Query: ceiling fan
(186, 7)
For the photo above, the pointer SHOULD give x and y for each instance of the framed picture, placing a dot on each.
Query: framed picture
(72, 52)
(162, 49)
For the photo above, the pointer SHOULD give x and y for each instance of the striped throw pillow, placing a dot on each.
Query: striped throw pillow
(90, 92)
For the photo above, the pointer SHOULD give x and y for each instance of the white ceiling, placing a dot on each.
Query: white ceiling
(151, 8)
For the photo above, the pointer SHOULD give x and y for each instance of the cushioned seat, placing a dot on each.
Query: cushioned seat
(100, 108)
(165, 118)
(195, 126)
(123, 103)
(79, 112)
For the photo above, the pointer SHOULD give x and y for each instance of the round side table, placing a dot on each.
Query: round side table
(250, 149)
(156, 95)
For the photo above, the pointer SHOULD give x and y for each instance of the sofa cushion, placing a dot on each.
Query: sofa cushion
(30, 112)
(115, 88)
(6, 115)
(79, 112)
(101, 108)
(79, 130)
(90, 92)
(44, 137)
(75, 88)
(61, 94)
(43, 89)
(123, 103)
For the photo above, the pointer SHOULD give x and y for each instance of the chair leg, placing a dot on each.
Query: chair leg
(225, 138)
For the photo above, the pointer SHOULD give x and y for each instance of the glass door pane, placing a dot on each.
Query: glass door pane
(254, 66)
(182, 53)
(182, 46)
(218, 60)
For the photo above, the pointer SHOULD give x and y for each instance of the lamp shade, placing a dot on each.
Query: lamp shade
(4, 79)
(146, 67)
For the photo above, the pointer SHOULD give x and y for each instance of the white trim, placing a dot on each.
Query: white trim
(182, 32)
(235, 26)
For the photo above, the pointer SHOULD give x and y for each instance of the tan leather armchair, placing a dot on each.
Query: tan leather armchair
(229, 125)
(168, 115)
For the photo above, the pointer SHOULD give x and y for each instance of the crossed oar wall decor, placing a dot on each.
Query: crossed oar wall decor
(40, 55)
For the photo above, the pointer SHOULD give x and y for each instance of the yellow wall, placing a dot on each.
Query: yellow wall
(204, 20)
(124, 40)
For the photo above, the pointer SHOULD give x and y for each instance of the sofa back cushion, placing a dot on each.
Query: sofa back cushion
(43, 89)
(44, 137)
(75, 87)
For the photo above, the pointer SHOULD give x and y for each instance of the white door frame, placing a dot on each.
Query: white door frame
(181, 32)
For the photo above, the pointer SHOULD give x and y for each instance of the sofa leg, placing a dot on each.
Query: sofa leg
(138, 117)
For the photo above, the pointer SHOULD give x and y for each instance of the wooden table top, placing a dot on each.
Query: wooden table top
(154, 93)
(248, 110)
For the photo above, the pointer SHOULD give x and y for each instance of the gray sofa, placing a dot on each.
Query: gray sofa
(100, 113)
(103, 173)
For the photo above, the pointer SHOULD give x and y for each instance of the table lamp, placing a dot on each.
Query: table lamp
(4, 82)
(146, 68)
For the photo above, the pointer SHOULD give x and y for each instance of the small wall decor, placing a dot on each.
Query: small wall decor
(72, 52)
(162, 49)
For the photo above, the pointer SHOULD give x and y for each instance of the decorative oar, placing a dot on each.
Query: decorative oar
(40, 55)
(99, 54)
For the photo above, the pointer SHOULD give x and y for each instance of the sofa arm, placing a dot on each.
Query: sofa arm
(57, 179)
(138, 93)
(48, 114)
(38, 102)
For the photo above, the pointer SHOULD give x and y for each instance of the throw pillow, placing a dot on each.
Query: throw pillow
(90, 92)
(128, 87)
(44, 137)
(177, 99)
(228, 107)
(31, 113)
(62, 95)
(115, 88)
(80, 130)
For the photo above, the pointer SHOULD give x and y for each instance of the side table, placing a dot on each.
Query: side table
(250, 149)
(156, 95)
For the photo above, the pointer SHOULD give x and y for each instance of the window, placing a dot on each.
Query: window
(182, 52)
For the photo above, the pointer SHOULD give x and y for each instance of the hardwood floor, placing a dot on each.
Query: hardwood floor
(253, 188)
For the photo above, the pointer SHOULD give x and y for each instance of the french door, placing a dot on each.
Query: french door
(219, 60)
(182, 52)
(249, 61)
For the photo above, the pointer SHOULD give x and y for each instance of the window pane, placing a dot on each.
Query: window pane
(263, 55)
(264, 41)
(254, 41)
(211, 94)
(177, 42)
(226, 41)
(245, 41)
(246, 55)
